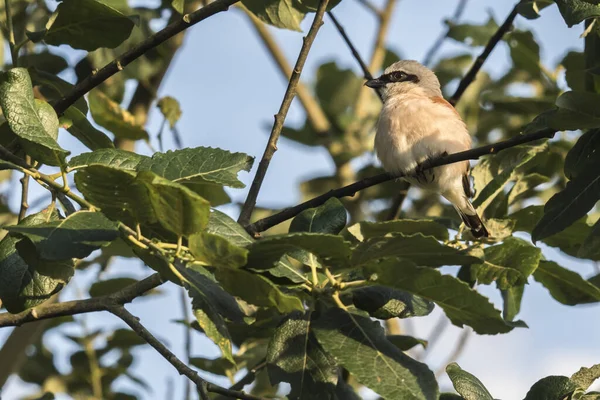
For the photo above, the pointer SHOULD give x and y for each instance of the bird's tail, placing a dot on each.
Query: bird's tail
(471, 219)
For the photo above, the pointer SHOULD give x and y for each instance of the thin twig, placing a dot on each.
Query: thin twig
(437, 45)
(129, 56)
(187, 338)
(24, 191)
(460, 347)
(435, 335)
(11, 34)
(398, 200)
(250, 202)
(470, 76)
(314, 113)
(350, 190)
(363, 66)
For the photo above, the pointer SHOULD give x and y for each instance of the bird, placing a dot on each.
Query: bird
(416, 124)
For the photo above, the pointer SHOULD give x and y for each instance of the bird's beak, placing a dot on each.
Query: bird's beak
(375, 83)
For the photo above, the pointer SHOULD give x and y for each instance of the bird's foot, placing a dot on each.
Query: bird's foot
(427, 175)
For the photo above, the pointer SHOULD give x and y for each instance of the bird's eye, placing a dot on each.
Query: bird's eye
(397, 76)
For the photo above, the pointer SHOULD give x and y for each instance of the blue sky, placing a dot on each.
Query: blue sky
(229, 90)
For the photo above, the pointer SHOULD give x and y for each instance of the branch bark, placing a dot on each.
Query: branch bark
(250, 202)
(126, 58)
(350, 190)
(470, 76)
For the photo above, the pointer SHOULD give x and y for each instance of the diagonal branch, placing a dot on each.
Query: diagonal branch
(350, 190)
(437, 45)
(126, 58)
(470, 76)
(290, 93)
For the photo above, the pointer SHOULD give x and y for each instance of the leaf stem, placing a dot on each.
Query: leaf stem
(290, 93)
(336, 298)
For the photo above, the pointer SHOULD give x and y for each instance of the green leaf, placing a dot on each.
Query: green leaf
(567, 206)
(384, 303)
(312, 5)
(85, 132)
(257, 290)
(169, 106)
(576, 110)
(178, 5)
(115, 158)
(336, 89)
(366, 230)
(524, 51)
(586, 376)
(463, 305)
(575, 11)
(422, 250)
(109, 286)
(530, 9)
(567, 287)
(124, 339)
(216, 251)
(575, 74)
(466, 384)
(551, 387)
(331, 249)
(523, 188)
(88, 25)
(584, 154)
(279, 13)
(44, 61)
(327, 218)
(508, 264)
(511, 299)
(25, 280)
(473, 35)
(359, 345)
(55, 88)
(73, 237)
(591, 245)
(32, 120)
(294, 356)
(176, 207)
(108, 114)
(221, 224)
(405, 343)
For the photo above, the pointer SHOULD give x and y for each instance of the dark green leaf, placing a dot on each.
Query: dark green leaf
(530, 9)
(294, 356)
(108, 114)
(45, 61)
(422, 250)
(169, 106)
(473, 35)
(511, 299)
(575, 11)
(216, 251)
(524, 51)
(73, 237)
(279, 13)
(327, 218)
(366, 230)
(26, 280)
(567, 287)
(575, 74)
(584, 155)
(312, 5)
(463, 305)
(115, 158)
(32, 120)
(466, 384)
(54, 88)
(88, 25)
(405, 343)
(221, 224)
(257, 290)
(551, 387)
(590, 248)
(85, 132)
(109, 286)
(385, 303)
(360, 346)
(124, 339)
(586, 376)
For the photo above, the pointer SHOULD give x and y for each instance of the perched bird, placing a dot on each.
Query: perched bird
(416, 124)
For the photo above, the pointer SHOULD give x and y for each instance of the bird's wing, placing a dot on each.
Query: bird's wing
(440, 100)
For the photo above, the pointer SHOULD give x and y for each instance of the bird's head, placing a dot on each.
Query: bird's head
(405, 76)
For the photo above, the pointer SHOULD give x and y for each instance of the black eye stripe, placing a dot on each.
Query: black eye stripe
(399, 76)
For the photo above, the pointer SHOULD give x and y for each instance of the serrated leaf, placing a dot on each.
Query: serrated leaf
(466, 384)
(257, 290)
(294, 356)
(327, 218)
(384, 303)
(422, 250)
(221, 224)
(405, 343)
(83, 130)
(279, 13)
(176, 207)
(331, 249)
(366, 230)
(25, 280)
(508, 264)
(566, 286)
(575, 11)
(88, 25)
(586, 376)
(463, 305)
(169, 106)
(359, 345)
(551, 387)
(216, 251)
(115, 158)
(76, 236)
(32, 120)
(109, 286)
(109, 115)
(473, 35)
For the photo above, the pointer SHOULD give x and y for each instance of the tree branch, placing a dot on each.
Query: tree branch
(470, 76)
(24, 192)
(250, 202)
(350, 190)
(437, 45)
(315, 114)
(126, 58)
(187, 338)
